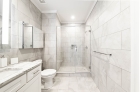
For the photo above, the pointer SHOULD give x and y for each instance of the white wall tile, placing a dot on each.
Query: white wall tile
(126, 80)
(98, 33)
(113, 87)
(124, 4)
(110, 12)
(126, 39)
(50, 43)
(113, 17)
(121, 58)
(115, 73)
(50, 37)
(112, 41)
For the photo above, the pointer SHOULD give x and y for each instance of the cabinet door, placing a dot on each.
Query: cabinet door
(32, 86)
(14, 85)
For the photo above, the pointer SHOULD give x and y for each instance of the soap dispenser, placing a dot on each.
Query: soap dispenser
(3, 61)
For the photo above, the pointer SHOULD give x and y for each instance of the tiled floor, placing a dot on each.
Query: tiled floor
(73, 84)
(72, 69)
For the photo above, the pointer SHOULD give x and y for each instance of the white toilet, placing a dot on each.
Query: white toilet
(47, 76)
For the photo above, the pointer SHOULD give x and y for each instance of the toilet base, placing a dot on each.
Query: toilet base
(48, 83)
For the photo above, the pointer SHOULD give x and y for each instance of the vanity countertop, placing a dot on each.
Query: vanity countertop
(10, 73)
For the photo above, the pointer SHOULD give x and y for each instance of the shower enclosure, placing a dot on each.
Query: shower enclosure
(73, 49)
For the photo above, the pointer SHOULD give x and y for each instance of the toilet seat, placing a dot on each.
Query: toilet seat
(48, 72)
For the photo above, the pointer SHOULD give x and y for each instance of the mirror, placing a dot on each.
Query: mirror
(5, 24)
(30, 36)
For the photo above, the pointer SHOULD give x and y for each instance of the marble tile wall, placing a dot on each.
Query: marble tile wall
(51, 49)
(72, 36)
(59, 45)
(22, 10)
(110, 23)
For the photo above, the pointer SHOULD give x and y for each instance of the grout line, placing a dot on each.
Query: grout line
(117, 84)
(109, 19)
(113, 33)
(115, 65)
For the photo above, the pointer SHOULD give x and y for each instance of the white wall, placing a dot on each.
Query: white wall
(110, 22)
(135, 26)
(49, 26)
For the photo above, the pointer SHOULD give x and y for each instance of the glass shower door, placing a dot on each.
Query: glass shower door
(72, 49)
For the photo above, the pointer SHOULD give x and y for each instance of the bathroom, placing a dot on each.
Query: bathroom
(69, 45)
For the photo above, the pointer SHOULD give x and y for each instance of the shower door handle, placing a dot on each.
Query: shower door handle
(75, 48)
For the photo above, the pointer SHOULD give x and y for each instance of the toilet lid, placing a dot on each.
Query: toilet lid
(48, 72)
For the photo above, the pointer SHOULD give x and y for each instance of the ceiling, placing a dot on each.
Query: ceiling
(81, 9)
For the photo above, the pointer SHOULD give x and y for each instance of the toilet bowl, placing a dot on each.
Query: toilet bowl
(47, 76)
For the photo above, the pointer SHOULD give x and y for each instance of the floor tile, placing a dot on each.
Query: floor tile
(73, 84)
(63, 85)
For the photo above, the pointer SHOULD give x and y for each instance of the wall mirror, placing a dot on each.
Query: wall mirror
(5, 24)
(30, 36)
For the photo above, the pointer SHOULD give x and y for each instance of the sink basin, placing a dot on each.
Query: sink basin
(7, 72)
(10, 69)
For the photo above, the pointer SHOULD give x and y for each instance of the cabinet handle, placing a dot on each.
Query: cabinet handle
(36, 72)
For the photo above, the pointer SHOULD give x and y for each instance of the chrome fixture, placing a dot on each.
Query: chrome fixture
(88, 31)
(86, 47)
(74, 47)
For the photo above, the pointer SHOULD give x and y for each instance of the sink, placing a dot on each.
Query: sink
(11, 69)
(8, 71)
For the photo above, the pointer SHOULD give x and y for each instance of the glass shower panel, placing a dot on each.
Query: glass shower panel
(72, 49)
(87, 48)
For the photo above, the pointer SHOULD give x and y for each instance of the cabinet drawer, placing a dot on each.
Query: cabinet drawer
(14, 85)
(31, 74)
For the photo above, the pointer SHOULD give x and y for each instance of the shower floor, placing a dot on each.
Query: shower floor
(72, 69)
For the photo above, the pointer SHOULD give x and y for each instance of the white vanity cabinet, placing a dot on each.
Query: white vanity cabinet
(33, 81)
(29, 82)
(32, 86)
(15, 85)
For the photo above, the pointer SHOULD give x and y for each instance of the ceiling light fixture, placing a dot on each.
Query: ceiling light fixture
(72, 17)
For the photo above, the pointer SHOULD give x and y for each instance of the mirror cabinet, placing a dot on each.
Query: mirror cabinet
(30, 36)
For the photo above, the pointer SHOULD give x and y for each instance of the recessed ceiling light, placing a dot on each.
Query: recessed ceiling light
(72, 17)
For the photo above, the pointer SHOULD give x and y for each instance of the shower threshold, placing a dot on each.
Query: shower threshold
(73, 69)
